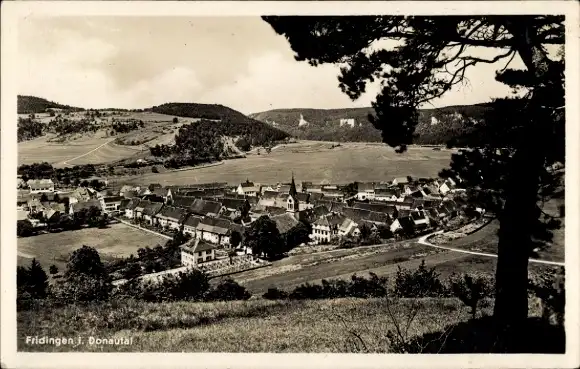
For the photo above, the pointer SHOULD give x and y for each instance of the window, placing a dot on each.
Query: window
(200, 253)
(200, 260)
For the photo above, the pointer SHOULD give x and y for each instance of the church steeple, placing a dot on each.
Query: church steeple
(293, 191)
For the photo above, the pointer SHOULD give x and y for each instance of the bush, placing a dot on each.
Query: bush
(154, 169)
(228, 290)
(470, 289)
(422, 282)
(275, 294)
(549, 287)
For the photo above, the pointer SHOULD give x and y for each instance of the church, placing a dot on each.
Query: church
(297, 201)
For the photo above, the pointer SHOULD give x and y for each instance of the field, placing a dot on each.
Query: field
(114, 241)
(316, 162)
(98, 148)
(40, 149)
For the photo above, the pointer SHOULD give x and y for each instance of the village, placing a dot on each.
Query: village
(213, 217)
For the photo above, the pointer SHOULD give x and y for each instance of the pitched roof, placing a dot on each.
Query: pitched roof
(302, 197)
(284, 222)
(159, 191)
(247, 184)
(234, 204)
(214, 225)
(406, 223)
(171, 212)
(204, 207)
(401, 180)
(111, 199)
(152, 208)
(194, 193)
(133, 203)
(387, 192)
(417, 215)
(183, 201)
(124, 204)
(365, 186)
(274, 210)
(192, 221)
(330, 220)
(270, 194)
(130, 193)
(362, 214)
(197, 245)
(378, 207)
(316, 196)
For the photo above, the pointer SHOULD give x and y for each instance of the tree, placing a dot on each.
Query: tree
(32, 281)
(175, 120)
(24, 228)
(235, 239)
(85, 277)
(430, 58)
(264, 238)
(297, 235)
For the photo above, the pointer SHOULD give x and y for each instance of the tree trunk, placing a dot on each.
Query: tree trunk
(519, 213)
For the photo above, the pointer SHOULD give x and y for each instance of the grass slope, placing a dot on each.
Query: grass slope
(242, 326)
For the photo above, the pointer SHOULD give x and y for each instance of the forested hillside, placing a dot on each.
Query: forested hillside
(436, 126)
(34, 105)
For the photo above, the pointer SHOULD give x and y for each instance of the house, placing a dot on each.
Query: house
(138, 211)
(170, 217)
(111, 203)
(196, 252)
(365, 191)
(284, 222)
(447, 208)
(53, 209)
(348, 227)
(236, 206)
(129, 207)
(326, 227)
(150, 211)
(363, 215)
(391, 210)
(78, 206)
(313, 188)
(80, 194)
(248, 188)
(22, 198)
(446, 186)
(420, 220)
(315, 196)
(205, 208)
(190, 224)
(40, 185)
(332, 194)
(184, 202)
(387, 194)
(403, 226)
(162, 193)
(214, 230)
(400, 181)
(125, 190)
(310, 215)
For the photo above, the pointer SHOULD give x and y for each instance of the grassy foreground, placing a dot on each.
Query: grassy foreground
(257, 325)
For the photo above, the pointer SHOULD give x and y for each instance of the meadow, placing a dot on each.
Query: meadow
(323, 326)
(41, 149)
(117, 240)
(313, 161)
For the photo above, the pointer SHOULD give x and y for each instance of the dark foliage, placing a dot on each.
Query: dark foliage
(421, 282)
(275, 294)
(264, 238)
(228, 290)
(33, 104)
(29, 128)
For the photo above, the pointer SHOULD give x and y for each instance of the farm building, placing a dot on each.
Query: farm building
(40, 185)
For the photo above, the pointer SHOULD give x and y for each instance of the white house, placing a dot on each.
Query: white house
(197, 252)
(170, 217)
(190, 225)
(111, 203)
(326, 227)
(387, 194)
(365, 191)
(248, 188)
(348, 227)
(214, 230)
(40, 185)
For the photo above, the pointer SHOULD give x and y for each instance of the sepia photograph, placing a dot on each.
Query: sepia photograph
(277, 180)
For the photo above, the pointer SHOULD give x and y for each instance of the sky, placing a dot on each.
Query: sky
(240, 62)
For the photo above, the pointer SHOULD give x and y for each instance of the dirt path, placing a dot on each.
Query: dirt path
(66, 162)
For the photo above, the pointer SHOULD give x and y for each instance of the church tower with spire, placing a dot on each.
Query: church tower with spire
(292, 205)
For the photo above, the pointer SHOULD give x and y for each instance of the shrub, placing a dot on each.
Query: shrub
(372, 287)
(422, 282)
(154, 169)
(275, 294)
(549, 287)
(470, 289)
(307, 291)
(228, 290)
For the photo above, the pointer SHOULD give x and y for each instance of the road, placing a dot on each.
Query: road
(424, 241)
(66, 162)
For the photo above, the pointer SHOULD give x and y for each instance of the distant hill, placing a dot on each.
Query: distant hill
(436, 126)
(35, 105)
